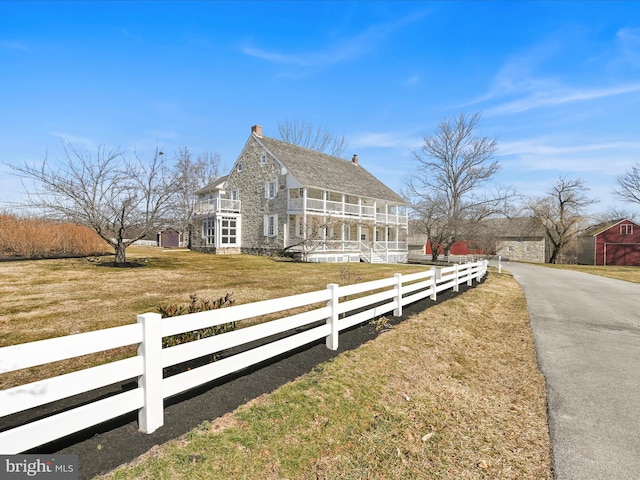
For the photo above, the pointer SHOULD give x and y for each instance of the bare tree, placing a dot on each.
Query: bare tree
(306, 135)
(122, 200)
(561, 211)
(189, 176)
(430, 220)
(447, 189)
(614, 213)
(629, 185)
(313, 238)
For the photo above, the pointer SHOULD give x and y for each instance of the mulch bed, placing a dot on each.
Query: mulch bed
(108, 445)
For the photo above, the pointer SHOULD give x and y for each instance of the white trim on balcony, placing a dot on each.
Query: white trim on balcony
(315, 206)
(217, 205)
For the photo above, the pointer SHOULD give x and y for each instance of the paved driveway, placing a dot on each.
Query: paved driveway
(587, 335)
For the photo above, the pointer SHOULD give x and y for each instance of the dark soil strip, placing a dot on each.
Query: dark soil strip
(108, 445)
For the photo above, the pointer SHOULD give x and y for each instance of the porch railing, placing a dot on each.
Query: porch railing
(348, 246)
(217, 205)
(328, 207)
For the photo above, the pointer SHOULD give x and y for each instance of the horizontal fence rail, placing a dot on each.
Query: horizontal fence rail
(320, 314)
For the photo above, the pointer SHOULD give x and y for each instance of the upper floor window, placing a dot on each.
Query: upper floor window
(626, 229)
(234, 195)
(263, 159)
(239, 167)
(271, 189)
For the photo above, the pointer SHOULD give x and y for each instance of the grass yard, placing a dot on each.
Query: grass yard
(629, 274)
(51, 298)
(454, 392)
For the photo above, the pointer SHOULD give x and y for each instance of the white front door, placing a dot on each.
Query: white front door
(364, 235)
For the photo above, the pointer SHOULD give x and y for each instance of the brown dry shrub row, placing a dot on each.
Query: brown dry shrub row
(32, 237)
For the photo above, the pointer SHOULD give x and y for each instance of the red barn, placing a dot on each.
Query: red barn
(611, 243)
(458, 248)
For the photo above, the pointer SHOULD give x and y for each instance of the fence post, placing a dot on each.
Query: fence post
(469, 275)
(434, 277)
(332, 338)
(500, 264)
(398, 311)
(151, 415)
(456, 276)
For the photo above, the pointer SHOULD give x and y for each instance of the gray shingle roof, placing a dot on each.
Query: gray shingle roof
(319, 170)
(516, 227)
(212, 185)
(594, 230)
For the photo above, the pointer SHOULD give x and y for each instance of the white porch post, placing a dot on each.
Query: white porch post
(304, 213)
(218, 230)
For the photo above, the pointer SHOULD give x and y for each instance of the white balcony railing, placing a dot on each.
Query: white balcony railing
(392, 218)
(217, 205)
(314, 205)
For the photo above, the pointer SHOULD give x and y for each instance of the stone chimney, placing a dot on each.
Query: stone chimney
(355, 159)
(257, 129)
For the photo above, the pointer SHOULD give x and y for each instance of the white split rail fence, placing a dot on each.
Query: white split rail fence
(327, 319)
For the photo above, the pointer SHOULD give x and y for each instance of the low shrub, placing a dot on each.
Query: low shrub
(195, 305)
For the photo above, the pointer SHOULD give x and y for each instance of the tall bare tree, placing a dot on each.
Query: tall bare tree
(629, 185)
(190, 175)
(448, 187)
(306, 135)
(121, 199)
(561, 211)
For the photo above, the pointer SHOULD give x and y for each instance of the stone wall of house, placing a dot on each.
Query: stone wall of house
(197, 242)
(218, 251)
(522, 250)
(249, 177)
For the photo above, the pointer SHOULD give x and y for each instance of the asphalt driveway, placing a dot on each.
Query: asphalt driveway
(587, 336)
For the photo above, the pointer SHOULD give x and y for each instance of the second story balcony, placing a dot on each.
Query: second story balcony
(331, 204)
(217, 205)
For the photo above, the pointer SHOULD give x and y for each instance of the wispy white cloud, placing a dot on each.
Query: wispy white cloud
(412, 80)
(385, 140)
(629, 45)
(604, 158)
(13, 45)
(560, 96)
(342, 51)
(75, 140)
(529, 81)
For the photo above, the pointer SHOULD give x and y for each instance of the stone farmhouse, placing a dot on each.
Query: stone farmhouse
(282, 198)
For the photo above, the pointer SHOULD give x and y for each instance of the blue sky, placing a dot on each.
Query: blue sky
(558, 83)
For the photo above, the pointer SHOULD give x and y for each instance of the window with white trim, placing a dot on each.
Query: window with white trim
(271, 225)
(626, 229)
(263, 159)
(296, 221)
(235, 194)
(209, 231)
(228, 231)
(271, 189)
